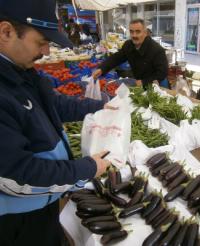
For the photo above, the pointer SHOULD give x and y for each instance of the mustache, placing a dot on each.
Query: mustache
(37, 57)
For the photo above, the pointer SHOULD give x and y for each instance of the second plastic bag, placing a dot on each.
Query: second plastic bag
(109, 129)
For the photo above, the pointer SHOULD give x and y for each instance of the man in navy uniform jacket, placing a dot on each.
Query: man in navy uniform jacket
(36, 164)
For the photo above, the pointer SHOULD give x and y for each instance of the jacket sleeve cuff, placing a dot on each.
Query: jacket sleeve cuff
(87, 168)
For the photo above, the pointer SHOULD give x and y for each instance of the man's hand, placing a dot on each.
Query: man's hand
(97, 73)
(102, 164)
(107, 106)
(138, 82)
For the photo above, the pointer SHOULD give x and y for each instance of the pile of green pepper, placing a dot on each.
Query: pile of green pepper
(151, 137)
(166, 108)
(195, 113)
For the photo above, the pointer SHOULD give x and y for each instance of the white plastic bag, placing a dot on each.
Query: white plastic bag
(93, 89)
(188, 135)
(109, 130)
(182, 86)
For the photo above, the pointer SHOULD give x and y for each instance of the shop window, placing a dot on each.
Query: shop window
(160, 18)
(192, 29)
(193, 1)
(119, 20)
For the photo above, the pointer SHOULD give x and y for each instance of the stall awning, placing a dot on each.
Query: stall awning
(103, 5)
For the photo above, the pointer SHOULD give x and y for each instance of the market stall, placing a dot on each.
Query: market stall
(162, 137)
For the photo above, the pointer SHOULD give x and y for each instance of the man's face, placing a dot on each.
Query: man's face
(24, 50)
(137, 33)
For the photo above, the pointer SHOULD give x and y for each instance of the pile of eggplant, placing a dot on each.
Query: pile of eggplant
(100, 209)
(176, 233)
(98, 215)
(168, 230)
(176, 180)
(171, 174)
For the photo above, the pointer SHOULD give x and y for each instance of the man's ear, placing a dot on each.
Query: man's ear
(7, 31)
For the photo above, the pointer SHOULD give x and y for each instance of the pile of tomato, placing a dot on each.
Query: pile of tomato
(111, 88)
(61, 74)
(87, 64)
(71, 89)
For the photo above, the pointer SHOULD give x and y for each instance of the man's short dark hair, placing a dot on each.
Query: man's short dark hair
(19, 27)
(138, 20)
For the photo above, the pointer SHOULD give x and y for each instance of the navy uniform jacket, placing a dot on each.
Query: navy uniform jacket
(148, 63)
(35, 165)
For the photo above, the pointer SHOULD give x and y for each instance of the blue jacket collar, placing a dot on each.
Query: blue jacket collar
(11, 72)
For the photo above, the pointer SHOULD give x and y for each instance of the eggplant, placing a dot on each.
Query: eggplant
(191, 234)
(122, 187)
(118, 177)
(156, 235)
(171, 195)
(84, 191)
(173, 173)
(172, 231)
(160, 218)
(172, 218)
(132, 210)
(182, 178)
(156, 160)
(165, 170)
(178, 240)
(133, 171)
(136, 198)
(140, 182)
(152, 205)
(113, 237)
(156, 171)
(95, 208)
(195, 196)
(136, 185)
(149, 197)
(84, 215)
(191, 187)
(165, 182)
(195, 209)
(93, 201)
(102, 227)
(76, 197)
(99, 188)
(112, 178)
(156, 212)
(98, 218)
(118, 201)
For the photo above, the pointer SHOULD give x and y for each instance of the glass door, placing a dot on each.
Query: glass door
(192, 39)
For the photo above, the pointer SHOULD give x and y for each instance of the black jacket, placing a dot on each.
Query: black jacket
(148, 63)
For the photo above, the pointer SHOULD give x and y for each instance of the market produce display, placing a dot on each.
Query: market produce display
(71, 89)
(140, 131)
(101, 210)
(73, 130)
(165, 107)
(195, 113)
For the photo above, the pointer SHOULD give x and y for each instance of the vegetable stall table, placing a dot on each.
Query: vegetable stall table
(183, 175)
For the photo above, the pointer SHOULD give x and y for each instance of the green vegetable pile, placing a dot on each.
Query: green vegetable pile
(151, 137)
(166, 108)
(195, 113)
(73, 130)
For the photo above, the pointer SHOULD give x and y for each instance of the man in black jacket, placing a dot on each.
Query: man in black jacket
(147, 58)
(36, 164)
